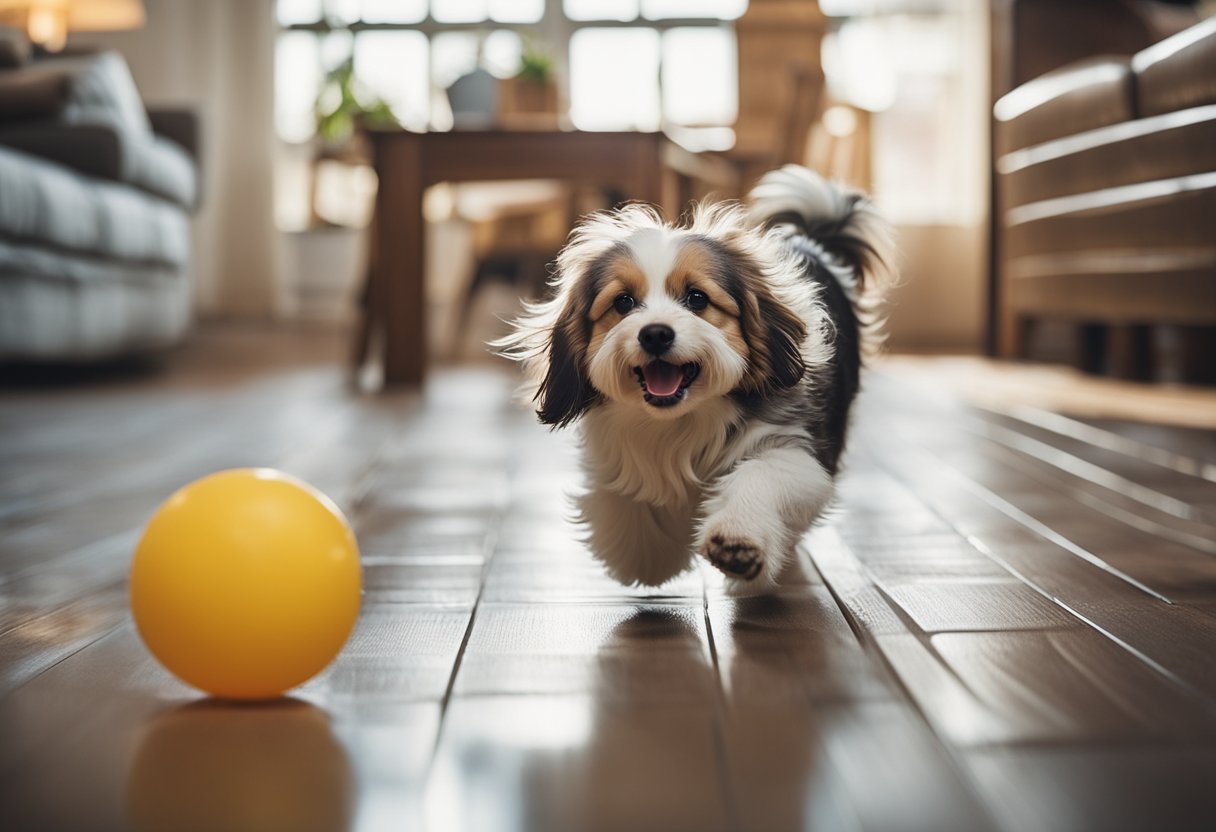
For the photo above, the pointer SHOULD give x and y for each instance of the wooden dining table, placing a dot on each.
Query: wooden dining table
(645, 166)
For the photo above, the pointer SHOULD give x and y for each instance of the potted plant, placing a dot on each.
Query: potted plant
(532, 92)
(345, 108)
(327, 259)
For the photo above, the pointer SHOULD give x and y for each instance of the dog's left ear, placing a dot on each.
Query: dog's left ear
(565, 392)
(774, 334)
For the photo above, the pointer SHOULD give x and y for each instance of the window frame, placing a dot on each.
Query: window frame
(554, 28)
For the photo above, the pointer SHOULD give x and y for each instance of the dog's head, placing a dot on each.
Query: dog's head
(662, 318)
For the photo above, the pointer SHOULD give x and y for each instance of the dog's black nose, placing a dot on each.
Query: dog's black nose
(656, 339)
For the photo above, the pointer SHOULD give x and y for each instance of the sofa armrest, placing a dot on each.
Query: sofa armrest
(15, 47)
(1179, 72)
(1085, 95)
(178, 125)
(33, 93)
(91, 149)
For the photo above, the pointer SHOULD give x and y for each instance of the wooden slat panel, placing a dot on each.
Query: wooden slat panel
(1192, 444)
(398, 653)
(843, 766)
(950, 660)
(1164, 489)
(635, 653)
(816, 734)
(1168, 554)
(954, 606)
(985, 687)
(1075, 685)
(1165, 214)
(572, 762)
(1115, 789)
(1175, 638)
(40, 641)
(1140, 150)
(1151, 297)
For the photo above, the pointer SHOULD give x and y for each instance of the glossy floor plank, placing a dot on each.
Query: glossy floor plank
(993, 631)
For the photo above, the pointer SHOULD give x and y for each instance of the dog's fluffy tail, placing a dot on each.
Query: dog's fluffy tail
(842, 223)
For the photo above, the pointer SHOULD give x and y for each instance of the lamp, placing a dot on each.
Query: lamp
(47, 22)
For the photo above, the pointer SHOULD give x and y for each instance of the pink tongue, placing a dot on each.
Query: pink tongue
(662, 379)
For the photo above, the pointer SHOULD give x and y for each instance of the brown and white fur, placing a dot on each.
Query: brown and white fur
(761, 315)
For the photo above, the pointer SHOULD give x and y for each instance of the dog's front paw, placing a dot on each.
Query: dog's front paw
(736, 556)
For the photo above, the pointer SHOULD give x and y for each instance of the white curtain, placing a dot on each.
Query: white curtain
(217, 57)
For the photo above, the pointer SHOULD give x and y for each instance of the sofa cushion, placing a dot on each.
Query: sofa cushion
(165, 169)
(86, 113)
(59, 306)
(1179, 72)
(103, 91)
(44, 203)
(1081, 96)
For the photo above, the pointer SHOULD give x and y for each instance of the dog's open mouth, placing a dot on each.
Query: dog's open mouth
(664, 384)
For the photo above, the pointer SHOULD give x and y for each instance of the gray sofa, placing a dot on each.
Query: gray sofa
(96, 197)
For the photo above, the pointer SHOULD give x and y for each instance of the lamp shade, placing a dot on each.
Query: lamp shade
(104, 15)
(47, 22)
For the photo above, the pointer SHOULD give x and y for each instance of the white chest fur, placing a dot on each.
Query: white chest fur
(664, 463)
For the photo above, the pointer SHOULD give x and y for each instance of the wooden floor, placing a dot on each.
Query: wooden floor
(1009, 623)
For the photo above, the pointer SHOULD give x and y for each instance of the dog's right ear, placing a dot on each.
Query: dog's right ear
(565, 393)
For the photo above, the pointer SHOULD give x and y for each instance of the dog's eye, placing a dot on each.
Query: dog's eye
(624, 304)
(696, 300)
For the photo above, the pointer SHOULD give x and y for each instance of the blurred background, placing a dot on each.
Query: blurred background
(223, 150)
(244, 233)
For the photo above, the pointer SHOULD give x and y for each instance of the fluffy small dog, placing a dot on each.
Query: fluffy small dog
(712, 366)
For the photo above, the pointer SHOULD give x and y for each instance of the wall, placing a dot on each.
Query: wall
(939, 304)
(931, 175)
(217, 57)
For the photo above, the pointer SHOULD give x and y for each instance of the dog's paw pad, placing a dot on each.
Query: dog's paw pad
(739, 558)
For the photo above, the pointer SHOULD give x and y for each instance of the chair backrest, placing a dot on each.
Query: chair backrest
(780, 77)
(805, 108)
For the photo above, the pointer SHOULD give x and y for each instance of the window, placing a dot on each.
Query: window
(913, 64)
(680, 67)
(626, 64)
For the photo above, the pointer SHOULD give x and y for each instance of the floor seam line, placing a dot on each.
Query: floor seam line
(732, 804)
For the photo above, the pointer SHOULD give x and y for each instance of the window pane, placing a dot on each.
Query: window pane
(298, 11)
(501, 53)
(452, 54)
(699, 76)
(335, 48)
(910, 72)
(297, 80)
(394, 11)
(459, 11)
(602, 9)
(342, 11)
(608, 93)
(517, 11)
(393, 65)
(724, 9)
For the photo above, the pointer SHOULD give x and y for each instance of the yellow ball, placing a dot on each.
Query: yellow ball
(246, 583)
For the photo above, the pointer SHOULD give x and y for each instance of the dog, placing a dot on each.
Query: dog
(712, 366)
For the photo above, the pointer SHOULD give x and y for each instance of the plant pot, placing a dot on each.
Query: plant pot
(523, 101)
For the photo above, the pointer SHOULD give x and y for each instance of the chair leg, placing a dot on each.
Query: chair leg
(363, 329)
(1092, 348)
(1199, 354)
(1014, 332)
(1130, 348)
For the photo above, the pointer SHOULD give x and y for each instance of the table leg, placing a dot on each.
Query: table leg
(368, 296)
(400, 260)
(645, 182)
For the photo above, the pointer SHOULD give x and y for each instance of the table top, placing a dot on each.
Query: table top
(512, 153)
